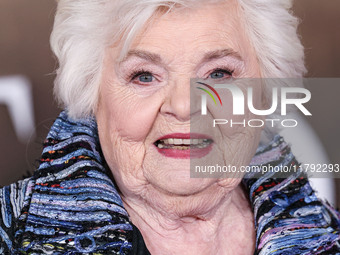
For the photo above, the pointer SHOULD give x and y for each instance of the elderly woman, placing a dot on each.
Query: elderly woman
(114, 176)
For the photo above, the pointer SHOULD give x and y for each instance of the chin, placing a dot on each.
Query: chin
(178, 185)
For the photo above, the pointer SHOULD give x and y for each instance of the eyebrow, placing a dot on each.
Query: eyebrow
(220, 54)
(148, 56)
(211, 55)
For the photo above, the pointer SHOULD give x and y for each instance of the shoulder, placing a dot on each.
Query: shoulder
(13, 199)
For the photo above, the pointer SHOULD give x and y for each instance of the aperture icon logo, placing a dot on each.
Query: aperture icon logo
(212, 89)
(204, 97)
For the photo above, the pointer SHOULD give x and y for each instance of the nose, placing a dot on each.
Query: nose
(177, 101)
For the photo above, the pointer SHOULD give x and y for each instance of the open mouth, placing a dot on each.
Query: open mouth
(182, 144)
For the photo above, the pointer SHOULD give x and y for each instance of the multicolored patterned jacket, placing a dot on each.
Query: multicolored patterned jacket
(71, 206)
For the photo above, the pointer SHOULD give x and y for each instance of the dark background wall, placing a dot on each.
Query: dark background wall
(320, 33)
(24, 49)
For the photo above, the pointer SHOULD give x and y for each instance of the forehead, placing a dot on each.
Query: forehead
(183, 31)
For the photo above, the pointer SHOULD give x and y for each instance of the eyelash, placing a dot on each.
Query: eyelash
(224, 70)
(137, 73)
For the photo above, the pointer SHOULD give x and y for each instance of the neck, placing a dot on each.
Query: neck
(219, 223)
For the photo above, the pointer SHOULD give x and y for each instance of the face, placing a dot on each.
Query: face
(144, 106)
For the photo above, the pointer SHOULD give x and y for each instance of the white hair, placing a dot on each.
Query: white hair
(83, 29)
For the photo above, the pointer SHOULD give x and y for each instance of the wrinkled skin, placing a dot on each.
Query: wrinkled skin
(170, 208)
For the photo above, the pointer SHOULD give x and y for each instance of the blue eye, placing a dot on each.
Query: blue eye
(142, 77)
(220, 73)
(145, 77)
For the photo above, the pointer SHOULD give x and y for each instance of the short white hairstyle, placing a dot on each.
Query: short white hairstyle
(83, 29)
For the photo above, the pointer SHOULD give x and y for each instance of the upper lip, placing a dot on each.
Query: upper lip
(185, 136)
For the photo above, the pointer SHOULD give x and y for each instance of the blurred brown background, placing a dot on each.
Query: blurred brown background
(24, 49)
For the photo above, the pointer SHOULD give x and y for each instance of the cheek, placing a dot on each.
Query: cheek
(128, 116)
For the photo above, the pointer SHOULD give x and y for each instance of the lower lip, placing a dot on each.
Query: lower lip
(185, 154)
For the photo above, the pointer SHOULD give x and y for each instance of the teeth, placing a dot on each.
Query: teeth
(186, 141)
(183, 144)
(177, 141)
